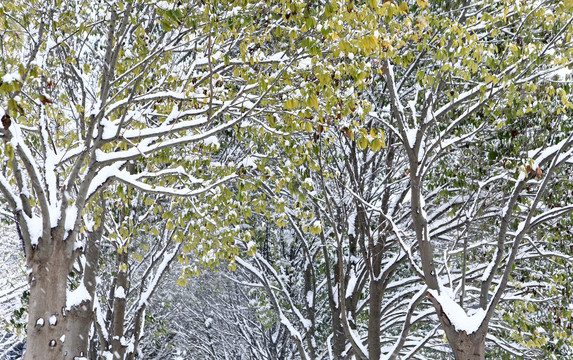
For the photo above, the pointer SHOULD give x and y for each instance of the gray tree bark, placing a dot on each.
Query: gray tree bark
(47, 320)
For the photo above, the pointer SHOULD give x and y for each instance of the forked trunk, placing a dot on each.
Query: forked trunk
(467, 347)
(464, 346)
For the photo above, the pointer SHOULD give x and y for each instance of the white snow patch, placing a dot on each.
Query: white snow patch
(163, 5)
(251, 245)
(309, 298)
(457, 316)
(109, 129)
(77, 296)
(351, 284)
(212, 141)
(411, 137)
(249, 162)
(35, 228)
(120, 292)
(317, 224)
(11, 77)
(294, 332)
(71, 216)
(53, 320)
(208, 322)
(352, 224)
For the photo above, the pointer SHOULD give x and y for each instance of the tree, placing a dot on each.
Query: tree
(453, 82)
(100, 93)
(453, 78)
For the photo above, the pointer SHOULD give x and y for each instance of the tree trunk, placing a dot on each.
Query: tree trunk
(467, 347)
(56, 332)
(117, 345)
(80, 316)
(338, 338)
(374, 345)
(47, 322)
(464, 346)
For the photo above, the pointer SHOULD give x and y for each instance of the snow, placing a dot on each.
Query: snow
(77, 296)
(251, 245)
(40, 322)
(100, 319)
(6, 185)
(351, 284)
(306, 323)
(35, 228)
(294, 332)
(120, 292)
(53, 320)
(249, 162)
(71, 216)
(163, 5)
(457, 316)
(352, 223)
(317, 225)
(11, 77)
(109, 129)
(102, 176)
(489, 268)
(168, 126)
(280, 56)
(212, 141)
(309, 298)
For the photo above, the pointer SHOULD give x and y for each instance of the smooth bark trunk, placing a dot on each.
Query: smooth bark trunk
(47, 322)
(374, 345)
(467, 347)
(117, 345)
(56, 331)
(81, 316)
(464, 346)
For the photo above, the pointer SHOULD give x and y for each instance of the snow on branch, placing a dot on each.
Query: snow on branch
(112, 171)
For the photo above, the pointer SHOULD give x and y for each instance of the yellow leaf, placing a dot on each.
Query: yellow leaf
(181, 281)
(313, 101)
(362, 143)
